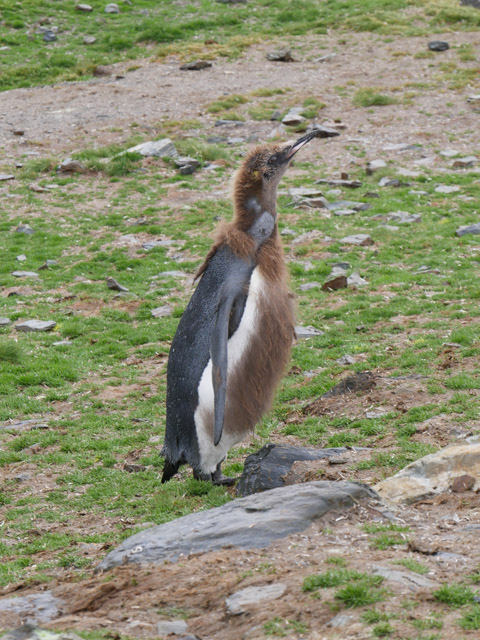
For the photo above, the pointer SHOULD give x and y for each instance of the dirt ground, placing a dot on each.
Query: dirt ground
(59, 120)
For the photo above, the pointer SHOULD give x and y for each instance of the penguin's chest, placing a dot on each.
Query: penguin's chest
(239, 348)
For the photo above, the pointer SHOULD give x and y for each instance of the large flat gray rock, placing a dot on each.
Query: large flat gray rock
(246, 523)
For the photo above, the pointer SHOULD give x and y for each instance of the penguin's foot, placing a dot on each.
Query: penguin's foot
(219, 479)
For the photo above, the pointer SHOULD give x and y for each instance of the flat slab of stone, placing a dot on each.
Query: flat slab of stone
(159, 148)
(4, 322)
(244, 599)
(35, 608)
(175, 627)
(266, 469)
(307, 332)
(471, 228)
(432, 474)
(253, 522)
(359, 239)
(24, 274)
(36, 325)
(412, 581)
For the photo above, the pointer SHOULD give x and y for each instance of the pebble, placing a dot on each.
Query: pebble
(438, 45)
(345, 360)
(401, 146)
(293, 117)
(36, 325)
(359, 239)
(21, 258)
(112, 8)
(340, 620)
(355, 280)
(49, 36)
(168, 627)
(445, 188)
(375, 165)
(288, 232)
(113, 284)
(449, 153)
(472, 228)
(161, 312)
(348, 204)
(6, 176)
(403, 217)
(172, 274)
(242, 600)
(155, 148)
(89, 40)
(62, 343)
(307, 332)
(25, 274)
(83, 7)
(25, 228)
(4, 322)
(344, 212)
(280, 55)
(196, 65)
(156, 243)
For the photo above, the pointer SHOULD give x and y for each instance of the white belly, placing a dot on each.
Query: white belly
(210, 455)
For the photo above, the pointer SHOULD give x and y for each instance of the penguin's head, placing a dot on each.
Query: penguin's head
(263, 169)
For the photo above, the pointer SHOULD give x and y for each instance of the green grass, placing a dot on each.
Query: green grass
(371, 98)
(131, 34)
(470, 620)
(455, 595)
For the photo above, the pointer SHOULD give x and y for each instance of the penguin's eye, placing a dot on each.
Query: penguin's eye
(274, 159)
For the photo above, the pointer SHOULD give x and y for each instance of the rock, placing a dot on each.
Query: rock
(62, 343)
(246, 523)
(240, 601)
(83, 7)
(309, 285)
(266, 469)
(6, 176)
(355, 280)
(339, 282)
(37, 608)
(156, 243)
(69, 165)
(184, 160)
(196, 65)
(293, 117)
(376, 413)
(172, 274)
(25, 228)
(113, 284)
(349, 184)
(392, 182)
(307, 332)
(348, 204)
(471, 3)
(346, 359)
(403, 217)
(281, 55)
(463, 483)
(4, 322)
(174, 627)
(432, 474)
(401, 146)
(324, 131)
(21, 258)
(340, 620)
(298, 193)
(472, 228)
(49, 36)
(375, 165)
(438, 45)
(38, 188)
(25, 274)
(89, 40)
(413, 581)
(155, 148)
(162, 312)
(445, 188)
(229, 123)
(468, 161)
(360, 239)
(474, 98)
(340, 266)
(363, 381)
(112, 8)
(36, 325)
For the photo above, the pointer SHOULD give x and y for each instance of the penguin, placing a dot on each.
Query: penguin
(234, 339)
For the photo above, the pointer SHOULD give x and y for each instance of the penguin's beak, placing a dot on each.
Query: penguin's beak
(319, 132)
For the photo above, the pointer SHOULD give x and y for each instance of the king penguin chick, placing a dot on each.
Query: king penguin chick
(234, 338)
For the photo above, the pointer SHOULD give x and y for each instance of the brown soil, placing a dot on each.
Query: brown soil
(58, 121)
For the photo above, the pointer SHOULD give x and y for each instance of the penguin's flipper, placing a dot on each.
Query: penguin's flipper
(219, 355)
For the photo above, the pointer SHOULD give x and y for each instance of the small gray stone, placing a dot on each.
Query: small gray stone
(281, 55)
(438, 45)
(413, 581)
(472, 228)
(112, 8)
(196, 65)
(89, 40)
(172, 274)
(36, 325)
(292, 119)
(162, 312)
(62, 343)
(25, 274)
(21, 258)
(69, 165)
(359, 239)
(307, 332)
(345, 360)
(288, 232)
(184, 160)
(83, 7)
(445, 188)
(344, 212)
(340, 620)
(25, 228)
(6, 176)
(355, 280)
(400, 146)
(403, 217)
(174, 627)
(309, 285)
(49, 36)
(4, 322)
(375, 165)
(116, 286)
(155, 148)
(242, 600)
(37, 608)
(156, 243)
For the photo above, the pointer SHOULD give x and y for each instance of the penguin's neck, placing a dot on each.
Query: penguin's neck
(254, 218)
